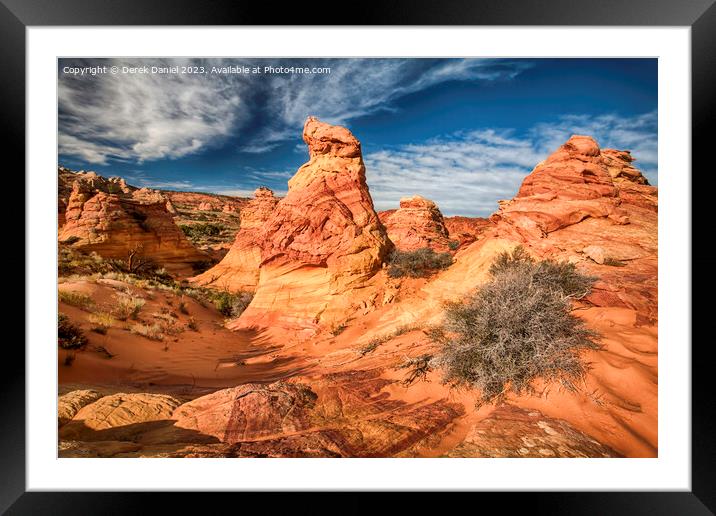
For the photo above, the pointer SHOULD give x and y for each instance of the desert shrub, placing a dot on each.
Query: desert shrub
(151, 332)
(613, 262)
(101, 321)
(517, 327)
(417, 264)
(69, 336)
(232, 304)
(202, 231)
(337, 330)
(182, 308)
(69, 359)
(127, 307)
(77, 299)
(192, 325)
(453, 245)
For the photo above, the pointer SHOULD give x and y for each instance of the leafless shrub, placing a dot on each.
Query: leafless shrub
(417, 264)
(517, 327)
(418, 368)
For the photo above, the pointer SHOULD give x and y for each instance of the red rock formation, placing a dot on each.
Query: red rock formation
(466, 229)
(417, 224)
(322, 241)
(239, 269)
(115, 224)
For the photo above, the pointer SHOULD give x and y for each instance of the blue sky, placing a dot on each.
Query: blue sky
(463, 132)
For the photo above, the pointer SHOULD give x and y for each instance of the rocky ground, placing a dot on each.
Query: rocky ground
(314, 366)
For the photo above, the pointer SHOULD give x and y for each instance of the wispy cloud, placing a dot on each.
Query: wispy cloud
(466, 173)
(141, 117)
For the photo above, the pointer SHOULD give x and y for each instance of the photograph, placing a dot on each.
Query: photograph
(357, 257)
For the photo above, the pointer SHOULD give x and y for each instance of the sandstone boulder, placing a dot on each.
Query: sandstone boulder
(417, 224)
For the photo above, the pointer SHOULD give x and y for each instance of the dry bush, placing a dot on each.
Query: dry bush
(77, 299)
(127, 307)
(69, 335)
(515, 328)
(417, 264)
(151, 332)
(101, 322)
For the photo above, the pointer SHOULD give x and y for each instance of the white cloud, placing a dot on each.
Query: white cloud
(157, 116)
(467, 173)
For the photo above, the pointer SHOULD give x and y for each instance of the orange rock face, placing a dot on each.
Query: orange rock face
(239, 269)
(322, 241)
(572, 184)
(417, 224)
(111, 219)
(466, 229)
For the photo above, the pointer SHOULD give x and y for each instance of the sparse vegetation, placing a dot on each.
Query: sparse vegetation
(69, 335)
(417, 264)
(101, 322)
(127, 307)
(200, 233)
(614, 262)
(69, 359)
(373, 343)
(337, 330)
(192, 325)
(232, 304)
(183, 308)
(151, 332)
(82, 301)
(453, 245)
(515, 328)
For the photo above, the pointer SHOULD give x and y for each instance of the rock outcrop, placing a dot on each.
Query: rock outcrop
(417, 224)
(466, 230)
(114, 220)
(322, 241)
(574, 183)
(239, 269)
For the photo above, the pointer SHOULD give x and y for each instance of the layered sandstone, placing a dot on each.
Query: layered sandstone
(239, 269)
(417, 224)
(466, 230)
(322, 242)
(115, 221)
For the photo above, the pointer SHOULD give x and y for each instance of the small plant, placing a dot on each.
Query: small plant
(614, 262)
(202, 231)
(232, 304)
(338, 329)
(77, 299)
(373, 343)
(515, 328)
(101, 322)
(128, 307)
(182, 308)
(417, 264)
(192, 325)
(418, 368)
(453, 245)
(69, 336)
(151, 332)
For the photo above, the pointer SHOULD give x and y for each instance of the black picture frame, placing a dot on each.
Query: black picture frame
(700, 15)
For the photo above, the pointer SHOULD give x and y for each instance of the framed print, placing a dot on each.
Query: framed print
(380, 257)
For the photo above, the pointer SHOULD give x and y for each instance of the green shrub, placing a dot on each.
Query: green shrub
(417, 264)
(202, 231)
(69, 336)
(232, 304)
(453, 245)
(515, 328)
